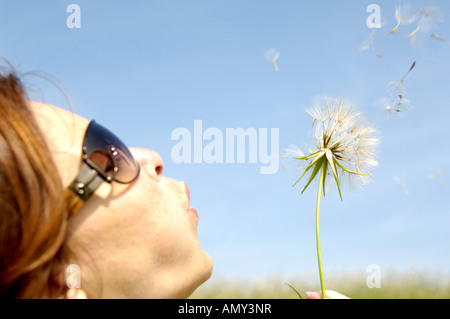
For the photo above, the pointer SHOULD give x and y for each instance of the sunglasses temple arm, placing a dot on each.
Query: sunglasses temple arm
(73, 202)
(83, 186)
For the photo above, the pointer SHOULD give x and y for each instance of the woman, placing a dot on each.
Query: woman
(71, 193)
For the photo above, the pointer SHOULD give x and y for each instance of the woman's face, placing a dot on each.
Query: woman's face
(135, 240)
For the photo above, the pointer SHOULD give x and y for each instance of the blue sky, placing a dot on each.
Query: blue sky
(145, 68)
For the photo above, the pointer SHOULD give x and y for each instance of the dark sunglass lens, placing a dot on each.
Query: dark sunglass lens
(99, 138)
(104, 162)
(128, 168)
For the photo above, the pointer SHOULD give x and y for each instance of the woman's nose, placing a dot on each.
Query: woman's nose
(149, 160)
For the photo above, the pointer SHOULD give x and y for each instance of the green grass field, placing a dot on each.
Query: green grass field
(412, 285)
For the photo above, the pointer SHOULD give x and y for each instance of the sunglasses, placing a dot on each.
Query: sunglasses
(106, 158)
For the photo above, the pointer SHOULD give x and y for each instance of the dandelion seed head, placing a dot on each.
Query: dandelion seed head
(343, 133)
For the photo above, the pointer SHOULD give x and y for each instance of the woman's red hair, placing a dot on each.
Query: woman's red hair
(33, 214)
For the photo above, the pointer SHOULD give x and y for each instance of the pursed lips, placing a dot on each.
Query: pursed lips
(188, 194)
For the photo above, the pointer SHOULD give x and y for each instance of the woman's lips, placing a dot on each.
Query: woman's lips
(193, 210)
(188, 193)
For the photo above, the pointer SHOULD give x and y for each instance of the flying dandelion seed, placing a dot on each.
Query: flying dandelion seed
(428, 20)
(439, 38)
(404, 16)
(345, 146)
(272, 56)
(398, 106)
(369, 45)
(391, 108)
(399, 85)
(437, 176)
(403, 104)
(401, 181)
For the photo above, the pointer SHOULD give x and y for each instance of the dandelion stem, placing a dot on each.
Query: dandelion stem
(319, 255)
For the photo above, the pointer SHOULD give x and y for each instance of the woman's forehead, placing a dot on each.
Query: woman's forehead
(58, 125)
(64, 133)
